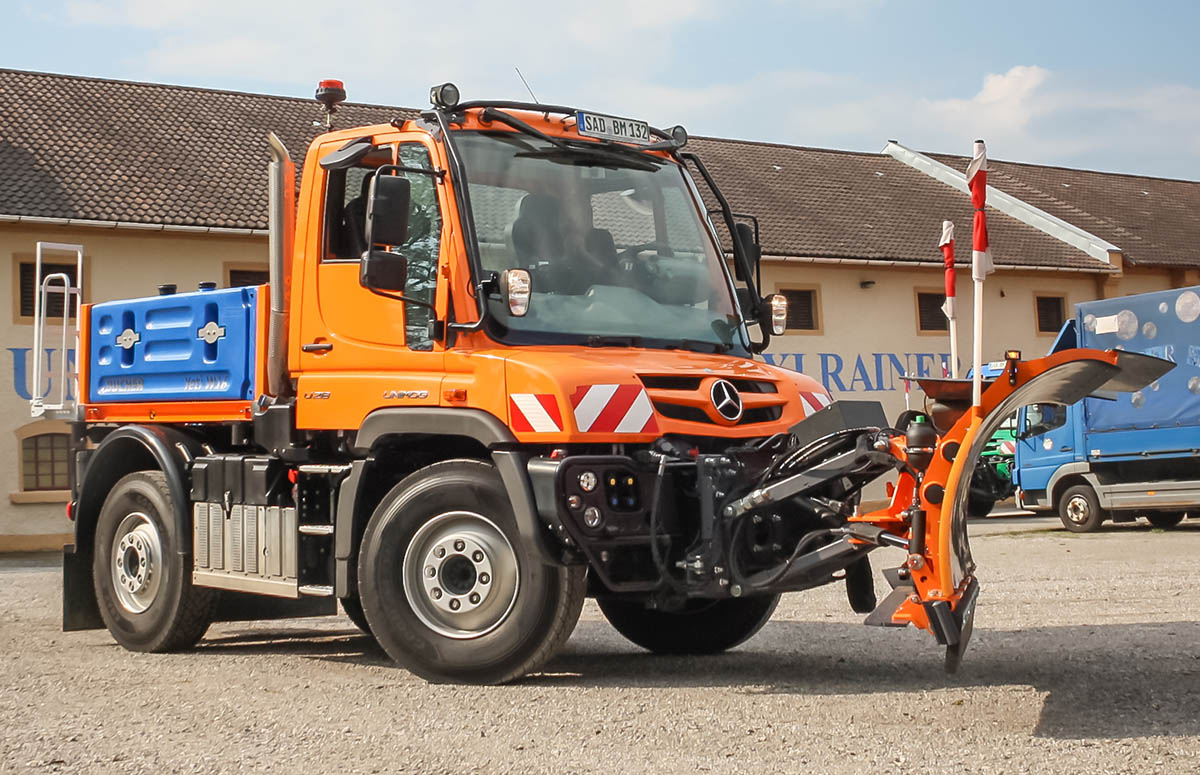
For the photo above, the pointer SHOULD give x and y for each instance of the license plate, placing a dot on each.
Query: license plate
(613, 128)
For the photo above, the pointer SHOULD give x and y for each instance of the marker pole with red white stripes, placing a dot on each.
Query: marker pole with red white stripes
(981, 257)
(949, 308)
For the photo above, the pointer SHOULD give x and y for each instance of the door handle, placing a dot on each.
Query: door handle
(1065, 449)
(317, 347)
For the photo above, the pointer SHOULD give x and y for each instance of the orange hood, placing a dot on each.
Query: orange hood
(573, 394)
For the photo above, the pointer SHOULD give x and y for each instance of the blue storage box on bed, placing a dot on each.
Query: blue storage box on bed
(178, 347)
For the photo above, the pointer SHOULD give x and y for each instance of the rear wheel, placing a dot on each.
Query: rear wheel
(1079, 509)
(143, 589)
(701, 627)
(448, 587)
(1165, 519)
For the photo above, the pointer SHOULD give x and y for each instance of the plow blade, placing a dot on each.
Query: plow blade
(936, 588)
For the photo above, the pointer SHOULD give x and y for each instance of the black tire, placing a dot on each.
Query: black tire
(1079, 509)
(352, 607)
(1165, 519)
(702, 627)
(176, 614)
(979, 506)
(526, 619)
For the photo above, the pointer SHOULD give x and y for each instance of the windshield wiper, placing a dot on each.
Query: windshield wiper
(614, 341)
(700, 345)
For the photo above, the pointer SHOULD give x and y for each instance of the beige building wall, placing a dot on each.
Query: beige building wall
(867, 336)
(118, 263)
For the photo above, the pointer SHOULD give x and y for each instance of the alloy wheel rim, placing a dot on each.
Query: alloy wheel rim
(136, 564)
(461, 575)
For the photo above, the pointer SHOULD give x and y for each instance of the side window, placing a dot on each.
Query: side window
(421, 249)
(346, 206)
(1043, 418)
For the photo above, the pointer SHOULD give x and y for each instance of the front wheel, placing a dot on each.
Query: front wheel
(701, 627)
(448, 587)
(143, 588)
(1079, 509)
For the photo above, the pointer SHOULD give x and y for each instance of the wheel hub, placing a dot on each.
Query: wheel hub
(457, 574)
(1078, 510)
(137, 558)
(460, 575)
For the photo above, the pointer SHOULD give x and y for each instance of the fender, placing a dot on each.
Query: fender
(129, 448)
(474, 424)
(1079, 468)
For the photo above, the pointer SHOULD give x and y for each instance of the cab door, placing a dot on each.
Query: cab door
(1044, 444)
(361, 350)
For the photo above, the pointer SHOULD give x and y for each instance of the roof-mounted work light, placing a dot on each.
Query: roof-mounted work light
(679, 135)
(444, 96)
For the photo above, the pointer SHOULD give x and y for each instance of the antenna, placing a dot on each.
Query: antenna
(531, 94)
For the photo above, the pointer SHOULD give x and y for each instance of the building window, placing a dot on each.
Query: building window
(1051, 311)
(26, 286)
(803, 314)
(44, 462)
(235, 278)
(930, 317)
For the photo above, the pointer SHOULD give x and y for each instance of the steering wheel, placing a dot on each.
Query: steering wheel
(631, 253)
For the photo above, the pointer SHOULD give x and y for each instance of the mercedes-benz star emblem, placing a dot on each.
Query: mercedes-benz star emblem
(726, 400)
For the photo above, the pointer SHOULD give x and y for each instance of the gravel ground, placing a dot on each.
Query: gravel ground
(1085, 659)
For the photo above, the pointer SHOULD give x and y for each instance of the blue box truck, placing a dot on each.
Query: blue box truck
(1123, 455)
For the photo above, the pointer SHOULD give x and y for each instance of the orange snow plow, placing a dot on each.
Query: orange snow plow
(936, 589)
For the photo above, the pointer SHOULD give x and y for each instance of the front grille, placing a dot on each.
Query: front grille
(761, 414)
(664, 402)
(754, 386)
(696, 414)
(681, 412)
(667, 382)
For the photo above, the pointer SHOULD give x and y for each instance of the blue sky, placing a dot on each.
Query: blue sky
(1102, 85)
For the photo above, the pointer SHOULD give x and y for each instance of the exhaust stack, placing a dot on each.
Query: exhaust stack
(281, 206)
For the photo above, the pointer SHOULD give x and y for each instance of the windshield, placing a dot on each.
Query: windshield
(616, 250)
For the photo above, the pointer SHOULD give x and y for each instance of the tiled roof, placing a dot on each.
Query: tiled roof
(103, 150)
(1155, 221)
(106, 150)
(814, 202)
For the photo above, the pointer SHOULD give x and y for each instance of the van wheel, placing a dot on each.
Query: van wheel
(1079, 509)
(143, 588)
(701, 627)
(448, 587)
(1165, 519)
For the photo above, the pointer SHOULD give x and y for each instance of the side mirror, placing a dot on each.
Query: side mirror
(383, 271)
(750, 247)
(387, 224)
(387, 209)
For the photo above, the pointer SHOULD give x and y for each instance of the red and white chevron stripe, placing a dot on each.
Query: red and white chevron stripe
(613, 409)
(535, 413)
(814, 401)
(1008, 447)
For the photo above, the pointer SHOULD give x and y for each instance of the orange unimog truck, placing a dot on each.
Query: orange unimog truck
(502, 364)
